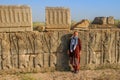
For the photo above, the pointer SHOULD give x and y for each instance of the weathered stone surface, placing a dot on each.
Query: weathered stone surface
(104, 20)
(100, 20)
(15, 18)
(39, 28)
(57, 18)
(82, 24)
(110, 20)
(43, 50)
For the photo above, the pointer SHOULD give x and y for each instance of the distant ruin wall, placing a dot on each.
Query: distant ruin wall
(36, 51)
(57, 18)
(104, 20)
(15, 18)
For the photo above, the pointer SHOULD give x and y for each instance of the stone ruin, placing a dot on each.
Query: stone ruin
(15, 18)
(39, 51)
(104, 20)
(84, 24)
(57, 18)
(110, 20)
(34, 51)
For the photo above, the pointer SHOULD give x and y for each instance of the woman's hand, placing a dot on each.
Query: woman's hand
(68, 52)
(80, 52)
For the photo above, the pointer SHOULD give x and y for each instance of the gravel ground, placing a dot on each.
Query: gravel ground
(107, 74)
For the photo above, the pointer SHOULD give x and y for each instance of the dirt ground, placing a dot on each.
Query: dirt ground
(107, 74)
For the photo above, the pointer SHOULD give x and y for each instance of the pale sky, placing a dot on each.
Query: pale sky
(80, 9)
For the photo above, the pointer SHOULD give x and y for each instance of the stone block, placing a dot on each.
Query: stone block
(82, 24)
(39, 60)
(23, 61)
(100, 20)
(14, 17)
(110, 20)
(46, 60)
(4, 29)
(57, 18)
(52, 60)
(104, 20)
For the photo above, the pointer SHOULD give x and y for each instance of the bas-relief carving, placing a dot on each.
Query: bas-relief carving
(5, 52)
(57, 18)
(40, 50)
(15, 18)
(102, 47)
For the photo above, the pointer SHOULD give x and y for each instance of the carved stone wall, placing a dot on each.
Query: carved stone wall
(57, 18)
(37, 51)
(15, 18)
(103, 46)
